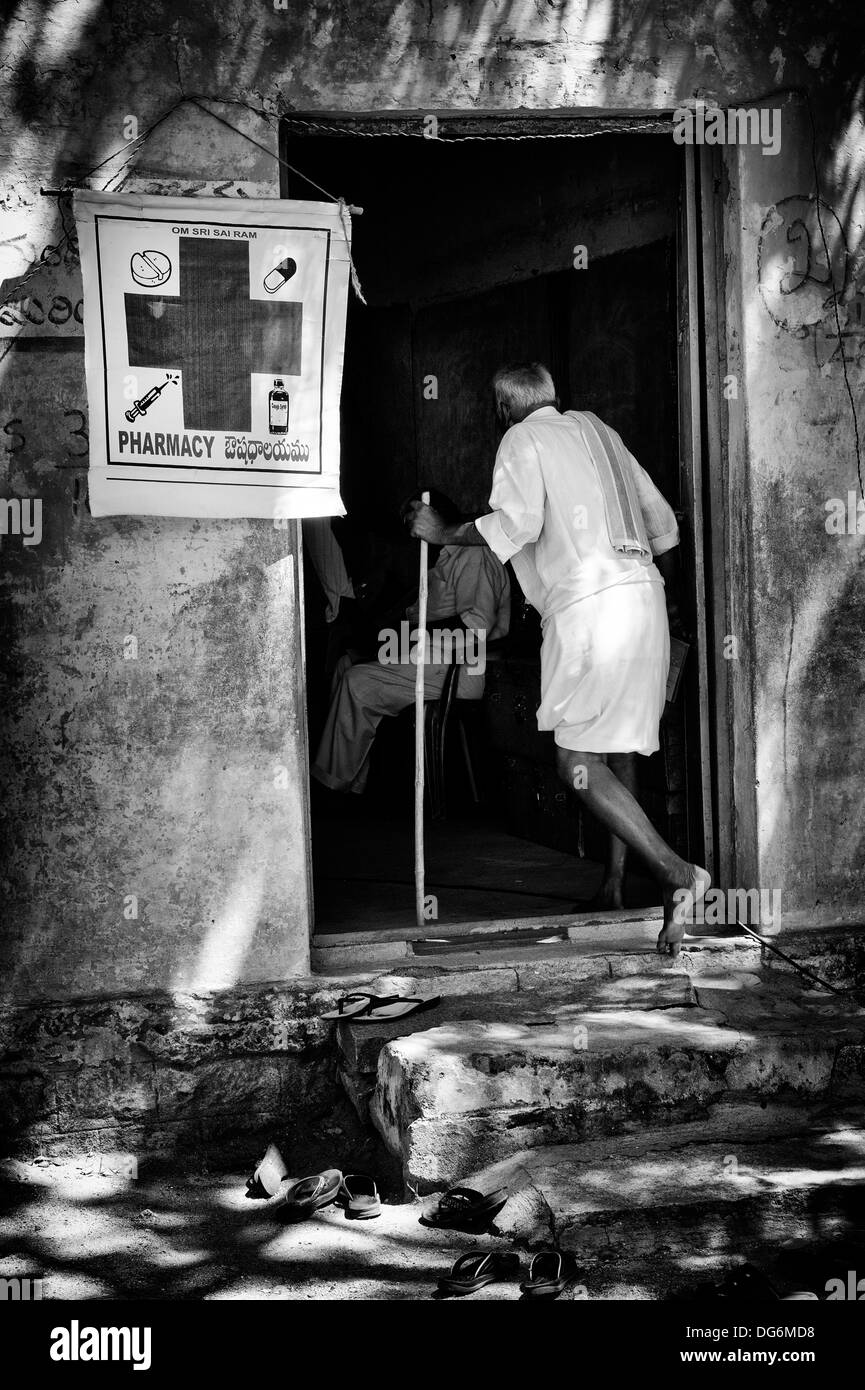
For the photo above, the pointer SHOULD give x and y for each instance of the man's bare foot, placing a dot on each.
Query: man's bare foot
(679, 902)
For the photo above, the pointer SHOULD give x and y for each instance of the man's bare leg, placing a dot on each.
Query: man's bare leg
(609, 895)
(615, 807)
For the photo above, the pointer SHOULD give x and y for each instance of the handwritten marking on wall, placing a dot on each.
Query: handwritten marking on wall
(799, 285)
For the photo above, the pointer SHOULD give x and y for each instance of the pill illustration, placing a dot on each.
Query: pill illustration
(277, 277)
(150, 268)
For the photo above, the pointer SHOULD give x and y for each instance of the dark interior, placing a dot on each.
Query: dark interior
(465, 253)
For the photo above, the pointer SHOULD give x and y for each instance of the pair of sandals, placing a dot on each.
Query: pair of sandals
(356, 1193)
(464, 1209)
(362, 1007)
(548, 1274)
(298, 1199)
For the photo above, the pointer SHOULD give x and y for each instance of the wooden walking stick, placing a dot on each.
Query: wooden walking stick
(420, 672)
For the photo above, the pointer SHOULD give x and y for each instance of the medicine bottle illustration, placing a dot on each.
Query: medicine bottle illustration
(277, 403)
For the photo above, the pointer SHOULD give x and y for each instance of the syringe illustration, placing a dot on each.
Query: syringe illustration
(141, 407)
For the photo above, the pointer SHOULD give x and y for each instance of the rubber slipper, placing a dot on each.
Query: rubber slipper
(309, 1194)
(463, 1206)
(353, 1004)
(270, 1173)
(547, 1278)
(359, 1195)
(398, 1008)
(475, 1269)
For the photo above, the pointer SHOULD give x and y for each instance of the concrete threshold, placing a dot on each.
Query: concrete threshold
(486, 926)
(570, 942)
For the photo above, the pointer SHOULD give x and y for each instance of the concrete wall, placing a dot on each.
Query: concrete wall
(803, 370)
(154, 817)
(154, 777)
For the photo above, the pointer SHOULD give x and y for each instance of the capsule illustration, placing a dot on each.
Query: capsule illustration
(276, 278)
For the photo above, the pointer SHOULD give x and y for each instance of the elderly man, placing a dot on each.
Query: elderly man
(468, 606)
(581, 522)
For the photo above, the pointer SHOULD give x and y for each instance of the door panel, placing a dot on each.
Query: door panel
(460, 344)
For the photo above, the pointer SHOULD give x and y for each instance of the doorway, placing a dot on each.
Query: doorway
(473, 252)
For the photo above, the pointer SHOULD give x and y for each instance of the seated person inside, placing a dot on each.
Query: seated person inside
(469, 600)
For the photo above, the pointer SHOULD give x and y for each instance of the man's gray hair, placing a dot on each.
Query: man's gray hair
(523, 387)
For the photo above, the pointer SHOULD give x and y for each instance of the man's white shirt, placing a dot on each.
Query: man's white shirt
(548, 515)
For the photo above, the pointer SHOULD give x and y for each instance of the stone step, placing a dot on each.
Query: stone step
(685, 1207)
(360, 1043)
(598, 949)
(520, 1071)
(568, 954)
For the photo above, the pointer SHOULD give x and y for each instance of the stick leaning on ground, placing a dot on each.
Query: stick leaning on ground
(423, 590)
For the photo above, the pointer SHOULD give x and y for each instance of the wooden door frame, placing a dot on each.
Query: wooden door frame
(704, 446)
(693, 435)
(710, 374)
(303, 722)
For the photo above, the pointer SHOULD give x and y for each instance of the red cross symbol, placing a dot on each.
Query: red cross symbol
(215, 334)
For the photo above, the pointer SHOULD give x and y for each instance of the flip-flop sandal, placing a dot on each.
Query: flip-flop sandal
(475, 1269)
(463, 1206)
(547, 1278)
(269, 1175)
(351, 1005)
(389, 1010)
(359, 1195)
(309, 1194)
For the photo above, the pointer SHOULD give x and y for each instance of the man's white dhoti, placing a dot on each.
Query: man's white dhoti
(604, 663)
(606, 643)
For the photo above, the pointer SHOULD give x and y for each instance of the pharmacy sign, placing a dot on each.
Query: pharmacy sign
(214, 335)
